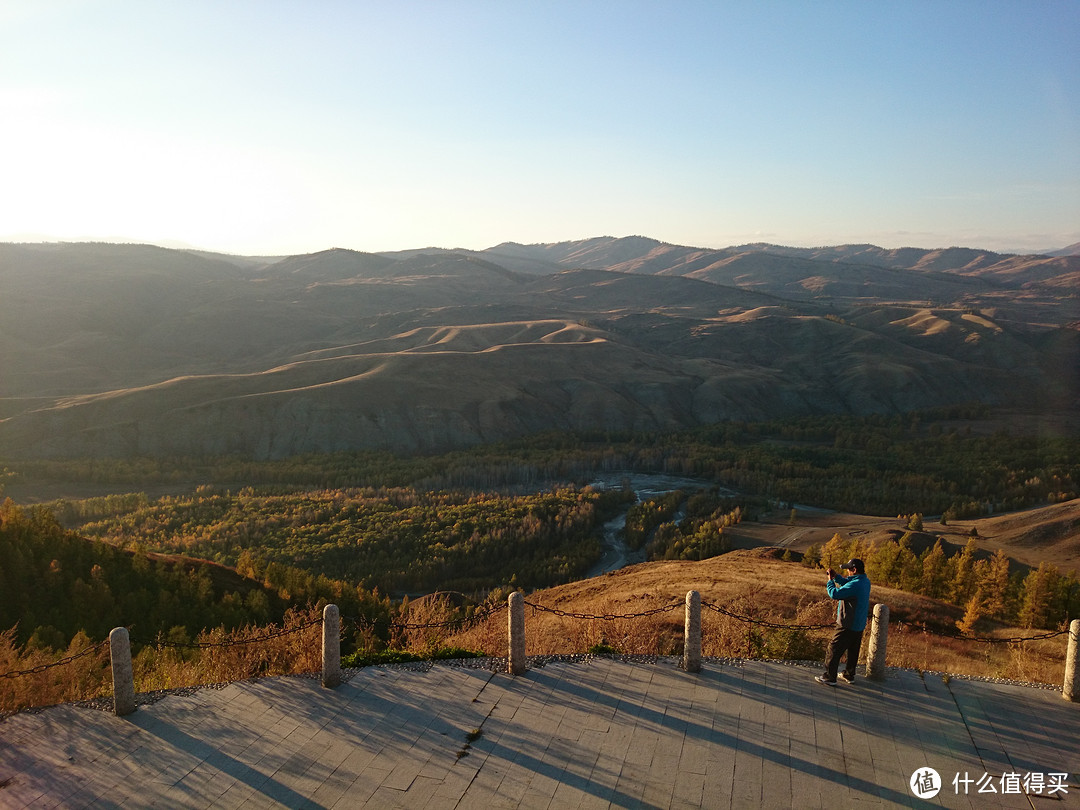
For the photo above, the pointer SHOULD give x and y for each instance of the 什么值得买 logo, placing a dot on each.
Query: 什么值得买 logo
(926, 783)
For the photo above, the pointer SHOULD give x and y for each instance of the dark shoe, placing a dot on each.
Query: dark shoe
(847, 678)
(824, 680)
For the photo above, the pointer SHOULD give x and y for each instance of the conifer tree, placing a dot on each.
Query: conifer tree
(933, 582)
(882, 563)
(972, 613)
(910, 567)
(1037, 595)
(964, 575)
(994, 585)
(836, 552)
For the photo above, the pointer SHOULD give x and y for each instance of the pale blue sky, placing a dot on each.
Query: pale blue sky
(286, 127)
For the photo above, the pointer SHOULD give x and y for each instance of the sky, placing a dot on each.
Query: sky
(273, 128)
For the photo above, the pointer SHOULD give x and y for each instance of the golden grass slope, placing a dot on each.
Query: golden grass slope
(754, 583)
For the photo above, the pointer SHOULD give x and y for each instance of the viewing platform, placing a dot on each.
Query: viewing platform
(592, 732)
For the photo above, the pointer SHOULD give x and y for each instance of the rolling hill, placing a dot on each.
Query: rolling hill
(138, 350)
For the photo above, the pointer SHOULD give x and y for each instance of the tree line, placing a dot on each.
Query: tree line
(698, 535)
(397, 540)
(56, 585)
(987, 587)
(930, 462)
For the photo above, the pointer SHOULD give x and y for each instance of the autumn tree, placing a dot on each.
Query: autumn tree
(963, 575)
(934, 572)
(1036, 596)
(994, 584)
(973, 611)
(836, 552)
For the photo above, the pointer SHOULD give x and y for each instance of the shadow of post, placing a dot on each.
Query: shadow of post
(205, 752)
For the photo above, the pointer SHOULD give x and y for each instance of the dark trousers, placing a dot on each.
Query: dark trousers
(843, 642)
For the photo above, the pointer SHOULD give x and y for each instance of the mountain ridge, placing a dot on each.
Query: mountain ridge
(117, 350)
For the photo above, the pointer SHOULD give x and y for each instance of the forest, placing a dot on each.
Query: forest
(989, 588)
(363, 530)
(55, 585)
(399, 540)
(954, 461)
(698, 535)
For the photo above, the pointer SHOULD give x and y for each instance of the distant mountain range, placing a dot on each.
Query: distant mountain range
(131, 350)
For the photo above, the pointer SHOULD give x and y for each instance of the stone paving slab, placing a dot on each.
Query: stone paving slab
(593, 734)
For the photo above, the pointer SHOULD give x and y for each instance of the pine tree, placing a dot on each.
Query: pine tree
(972, 613)
(933, 582)
(836, 551)
(909, 567)
(1066, 602)
(994, 585)
(881, 563)
(963, 578)
(1037, 596)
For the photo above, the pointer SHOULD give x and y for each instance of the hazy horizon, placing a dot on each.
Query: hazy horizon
(169, 244)
(285, 128)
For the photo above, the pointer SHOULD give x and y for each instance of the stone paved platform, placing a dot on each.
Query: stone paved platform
(595, 734)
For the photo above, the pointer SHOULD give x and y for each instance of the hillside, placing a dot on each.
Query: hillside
(1049, 534)
(134, 350)
(55, 584)
(754, 583)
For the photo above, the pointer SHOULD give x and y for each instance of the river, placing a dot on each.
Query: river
(616, 553)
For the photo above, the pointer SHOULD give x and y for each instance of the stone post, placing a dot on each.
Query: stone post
(331, 646)
(516, 634)
(1071, 688)
(875, 652)
(692, 633)
(122, 674)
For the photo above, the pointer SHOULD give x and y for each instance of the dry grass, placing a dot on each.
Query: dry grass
(1031, 661)
(238, 655)
(79, 680)
(1047, 534)
(241, 654)
(726, 637)
(630, 619)
(757, 584)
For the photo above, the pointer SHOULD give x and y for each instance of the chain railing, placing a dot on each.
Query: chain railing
(53, 664)
(236, 642)
(608, 617)
(158, 642)
(331, 622)
(762, 622)
(981, 639)
(459, 622)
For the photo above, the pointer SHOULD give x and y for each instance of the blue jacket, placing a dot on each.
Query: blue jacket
(853, 594)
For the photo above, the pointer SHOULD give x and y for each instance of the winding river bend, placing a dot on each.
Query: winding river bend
(616, 553)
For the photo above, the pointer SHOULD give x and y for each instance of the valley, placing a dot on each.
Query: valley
(127, 350)
(560, 418)
(303, 532)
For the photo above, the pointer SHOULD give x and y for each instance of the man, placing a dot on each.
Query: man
(853, 595)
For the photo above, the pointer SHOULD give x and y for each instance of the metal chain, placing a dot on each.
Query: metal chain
(497, 608)
(203, 645)
(42, 667)
(900, 625)
(983, 639)
(775, 625)
(463, 621)
(605, 616)
(476, 618)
